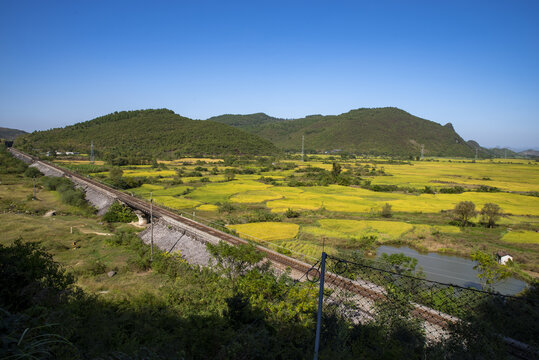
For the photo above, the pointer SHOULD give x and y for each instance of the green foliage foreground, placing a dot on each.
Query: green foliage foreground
(249, 313)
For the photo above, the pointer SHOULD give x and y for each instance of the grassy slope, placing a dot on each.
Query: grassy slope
(54, 233)
(377, 131)
(148, 132)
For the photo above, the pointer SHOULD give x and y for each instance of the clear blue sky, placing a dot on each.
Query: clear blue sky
(472, 63)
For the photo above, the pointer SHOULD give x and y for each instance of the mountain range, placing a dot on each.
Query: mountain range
(161, 132)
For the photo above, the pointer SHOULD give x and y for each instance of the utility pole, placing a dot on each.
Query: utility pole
(475, 153)
(151, 226)
(505, 152)
(422, 151)
(34, 196)
(92, 152)
(302, 147)
(320, 305)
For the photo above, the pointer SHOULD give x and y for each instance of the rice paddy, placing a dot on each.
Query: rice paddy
(522, 236)
(344, 214)
(355, 229)
(266, 231)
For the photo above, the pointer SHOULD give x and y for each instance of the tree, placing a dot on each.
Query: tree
(464, 211)
(386, 211)
(490, 272)
(116, 173)
(336, 170)
(229, 174)
(234, 261)
(490, 213)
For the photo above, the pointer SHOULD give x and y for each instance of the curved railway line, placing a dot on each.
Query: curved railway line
(360, 288)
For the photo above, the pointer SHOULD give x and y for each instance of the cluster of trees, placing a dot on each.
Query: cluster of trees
(464, 211)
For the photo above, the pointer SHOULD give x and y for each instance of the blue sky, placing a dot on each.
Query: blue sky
(472, 63)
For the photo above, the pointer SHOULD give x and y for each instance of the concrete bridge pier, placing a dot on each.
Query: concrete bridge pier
(142, 217)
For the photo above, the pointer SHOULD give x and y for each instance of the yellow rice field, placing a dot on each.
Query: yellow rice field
(266, 231)
(208, 207)
(522, 236)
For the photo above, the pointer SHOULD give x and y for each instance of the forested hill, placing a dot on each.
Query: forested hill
(245, 121)
(148, 133)
(10, 134)
(381, 131)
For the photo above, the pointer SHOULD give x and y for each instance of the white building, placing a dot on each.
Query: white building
(503, 257)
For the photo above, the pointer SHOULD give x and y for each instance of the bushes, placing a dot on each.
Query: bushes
(67, 191)
(119, 213)
(29, 276)
(9, 164)
(32, 172)
(386, 211)
(452, 190)
(291, 213)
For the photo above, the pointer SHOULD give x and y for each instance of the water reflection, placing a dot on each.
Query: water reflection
(452, 269)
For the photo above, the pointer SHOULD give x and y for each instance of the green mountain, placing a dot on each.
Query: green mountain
(382, 131)
(148, 133)
(10, 134)
(245, 121)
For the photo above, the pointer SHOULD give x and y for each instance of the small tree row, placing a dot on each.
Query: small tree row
(464, 211)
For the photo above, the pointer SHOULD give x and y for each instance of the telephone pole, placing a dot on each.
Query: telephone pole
(151, 226)
(422, 151)
(475, 153)
(92, 152)
(302, 147)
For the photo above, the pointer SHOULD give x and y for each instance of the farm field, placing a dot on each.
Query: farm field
(278, 202)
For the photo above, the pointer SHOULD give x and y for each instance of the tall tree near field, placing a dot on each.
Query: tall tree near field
(464, 211)
(336, 170)
(490, 213)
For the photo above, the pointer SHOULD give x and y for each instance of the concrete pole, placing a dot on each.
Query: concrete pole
(320, 304)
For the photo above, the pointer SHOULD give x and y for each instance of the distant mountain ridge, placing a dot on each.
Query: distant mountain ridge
(153, 132)
(530, 152)
(10, 134)
(379, 131)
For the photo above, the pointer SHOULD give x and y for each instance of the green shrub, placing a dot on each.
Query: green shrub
(291, 213)
(119, 213)
(32, 172)
(386, 211)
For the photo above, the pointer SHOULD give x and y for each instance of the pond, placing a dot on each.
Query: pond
(454, 270)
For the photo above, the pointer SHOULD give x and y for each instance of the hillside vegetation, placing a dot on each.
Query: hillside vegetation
(10, 134)
(380, 131)
(147, 133)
